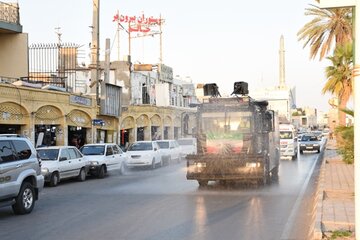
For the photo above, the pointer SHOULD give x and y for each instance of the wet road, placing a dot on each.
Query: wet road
(162, 204)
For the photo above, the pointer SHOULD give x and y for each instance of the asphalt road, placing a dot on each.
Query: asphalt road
(161, 204)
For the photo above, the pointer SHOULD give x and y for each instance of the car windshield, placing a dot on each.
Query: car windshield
(307, 138)
(144, 146)
(48, 154)
(163, 145)
(286, 135)
(93, 150)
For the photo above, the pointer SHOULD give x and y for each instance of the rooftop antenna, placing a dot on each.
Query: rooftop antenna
(58, 33)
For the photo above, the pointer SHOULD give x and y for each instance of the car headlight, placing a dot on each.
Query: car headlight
(94, 162)
(316, 145)
(44, 170)
(302, 145)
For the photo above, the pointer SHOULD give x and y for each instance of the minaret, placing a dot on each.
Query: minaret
(282, 63)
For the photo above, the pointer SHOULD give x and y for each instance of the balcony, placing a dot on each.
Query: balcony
(9, 18)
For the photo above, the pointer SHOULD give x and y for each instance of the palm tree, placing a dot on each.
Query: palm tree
(328, 25)
(346, 145)
(339, 77)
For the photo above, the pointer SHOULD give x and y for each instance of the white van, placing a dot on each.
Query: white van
(188, 146)
(288, 141)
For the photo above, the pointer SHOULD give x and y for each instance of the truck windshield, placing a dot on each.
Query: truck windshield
(224, 131)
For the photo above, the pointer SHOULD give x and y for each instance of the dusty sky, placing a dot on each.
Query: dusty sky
(210, 41)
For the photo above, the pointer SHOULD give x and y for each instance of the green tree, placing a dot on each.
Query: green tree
(326, 30)
(346, 144)
(339, 77)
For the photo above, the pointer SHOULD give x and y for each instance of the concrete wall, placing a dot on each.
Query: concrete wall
(14, 59)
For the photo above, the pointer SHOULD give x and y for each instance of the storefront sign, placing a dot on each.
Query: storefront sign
(98, 122)
(74, 99)
(138, 24)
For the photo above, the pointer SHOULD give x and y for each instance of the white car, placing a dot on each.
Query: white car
(61, 162)
(188, 146)
(144, 153)
(103, 158)
(171, 150)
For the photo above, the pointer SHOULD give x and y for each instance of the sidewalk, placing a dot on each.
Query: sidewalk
(335, 212)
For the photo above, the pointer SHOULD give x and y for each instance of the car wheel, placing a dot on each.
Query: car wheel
(301, 151)
(153, 164)
(25, 200)
(54, 179)
(122, 169)
(101, 173)
(318, 151)
(82, 175)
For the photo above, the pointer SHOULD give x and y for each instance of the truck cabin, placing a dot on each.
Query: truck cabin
(229, 126)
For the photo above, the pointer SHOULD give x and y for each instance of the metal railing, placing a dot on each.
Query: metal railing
(9, 12)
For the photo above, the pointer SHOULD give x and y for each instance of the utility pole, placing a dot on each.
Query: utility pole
(95, 50)
(58, 33)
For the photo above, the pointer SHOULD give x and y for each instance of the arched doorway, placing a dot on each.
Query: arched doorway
(49, 126)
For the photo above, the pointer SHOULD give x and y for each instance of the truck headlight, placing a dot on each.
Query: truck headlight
(253, 164)
(200, 165)
(316, 145)
(94, 162)
(44, 171)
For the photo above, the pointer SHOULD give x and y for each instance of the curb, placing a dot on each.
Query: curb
(317, 232)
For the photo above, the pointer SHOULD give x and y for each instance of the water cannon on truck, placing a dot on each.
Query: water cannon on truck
(237, 139)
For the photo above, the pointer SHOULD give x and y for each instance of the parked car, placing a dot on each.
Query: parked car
(188, 146)
(103, 158)
(20, 174)
(171, 150)
(144, 154)
(309, 142)
(61, 162)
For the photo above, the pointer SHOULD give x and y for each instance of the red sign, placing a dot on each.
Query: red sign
(137, 24)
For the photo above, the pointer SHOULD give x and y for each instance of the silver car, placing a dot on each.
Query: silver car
(20, 174)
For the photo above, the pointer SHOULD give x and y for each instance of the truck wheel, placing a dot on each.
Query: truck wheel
(275, 173)
(203, 183)
(25, 200)
(54, 179)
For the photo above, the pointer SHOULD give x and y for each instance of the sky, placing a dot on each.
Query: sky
(210, 41)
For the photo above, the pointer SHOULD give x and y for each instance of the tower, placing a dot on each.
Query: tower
(282, 64)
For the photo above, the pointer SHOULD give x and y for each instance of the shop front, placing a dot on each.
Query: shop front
(14, 119)
(142, 126)
(177, 127)
(156, 128)
(167, 128)
(79, 128)
(106, 132)
(127, 127)
(48, 126)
